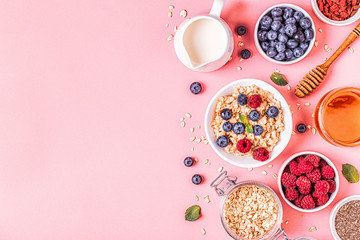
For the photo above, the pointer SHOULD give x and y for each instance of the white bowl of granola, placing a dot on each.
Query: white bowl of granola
(276, 131)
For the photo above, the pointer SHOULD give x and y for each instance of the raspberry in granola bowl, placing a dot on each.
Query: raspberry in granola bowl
(245, 105)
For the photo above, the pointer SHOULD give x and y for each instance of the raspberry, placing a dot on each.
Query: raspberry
(261, 154)
(298, 201)
(314, 176)
(243, 145)
(294, 168)
(322, 199)
(305, 191)
(322, 163)
(303, 183)
(327, 172)
(307, 202)
(299, 158)
(332, 186)
(305, 166)
(316, 194)
(287, 169)
(254, 100)
(313, 159)
(322, 187)
(288, 180)
(291, 194)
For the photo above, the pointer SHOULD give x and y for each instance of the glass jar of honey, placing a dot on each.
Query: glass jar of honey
(337, 117)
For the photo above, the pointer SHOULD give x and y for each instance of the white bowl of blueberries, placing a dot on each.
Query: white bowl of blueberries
(284, 34)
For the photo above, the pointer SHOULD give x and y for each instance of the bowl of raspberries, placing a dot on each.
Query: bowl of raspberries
(308, 181)
(284, 34)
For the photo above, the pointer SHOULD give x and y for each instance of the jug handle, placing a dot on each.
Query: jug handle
(216, 8)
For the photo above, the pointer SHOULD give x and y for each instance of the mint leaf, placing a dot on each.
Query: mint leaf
(249, 128)
(243, 119)
(350, 173)
(192, 213)
(278, 79)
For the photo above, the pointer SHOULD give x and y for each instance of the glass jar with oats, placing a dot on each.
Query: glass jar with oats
(249, 210)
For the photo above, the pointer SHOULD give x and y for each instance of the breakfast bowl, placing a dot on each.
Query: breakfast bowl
(336, 22)
(270, 137)
(344, 218)
(308, 181)
(284, 34)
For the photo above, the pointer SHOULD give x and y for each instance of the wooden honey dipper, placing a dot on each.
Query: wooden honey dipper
(316, 76)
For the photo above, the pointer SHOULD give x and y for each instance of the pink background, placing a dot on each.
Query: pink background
(91, 94)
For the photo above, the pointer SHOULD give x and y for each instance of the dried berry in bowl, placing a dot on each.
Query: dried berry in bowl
(338, 10)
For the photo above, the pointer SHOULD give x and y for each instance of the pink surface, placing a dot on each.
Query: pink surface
(91, 94)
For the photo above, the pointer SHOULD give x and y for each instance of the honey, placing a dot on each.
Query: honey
(337, 117)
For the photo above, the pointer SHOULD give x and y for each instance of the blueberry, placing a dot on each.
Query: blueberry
(272, 35)
(298, 15)
(262, 35)
(222, 141)
(292, 43)
(245, 54)
(195, 87)
(309, 34)
(242, 99)
(290, 29)
(189, 161)
(227, 126)
(238, 128)
(301, 128)
(265, 27)
(282, 37)
(290, 20)
(271, 52)
(265, 45)
(299, 36)
(278, 19)
(276, 12)
(304, 46)
(196, 179)
(258, 130)
(288, 12)
(305, 22)
(254, 115)
(273, 43)
(275, 25)
(280, 56)
(282, 29)
(266, 21)
(225, 114)
(272, 112)
(289, 53)
(241, 30)
(298, 52)
(280, 47)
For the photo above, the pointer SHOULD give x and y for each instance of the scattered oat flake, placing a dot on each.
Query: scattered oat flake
(270, 166)
(203, 231)
(206, 142)
(238, 68)
(207, 162)
(182, 124)
(230, 58)
(312, 229)
(309, 126)
(326, 46)
(192, 149)
(307, 104)
(275, 176)
(171, 7)
(241, 59)
(277, 70)
(188, 115)
(220, 169)
(250, 169)
(191, 129)
(196, 160)
(293, 133)
(202, 138)
(299, 108)
(167, 25)
(351, 50)
(170, 14)
(263, 172)
(313, 131)
(288, 87)
(183, 13)
(240, 44)
(207, 200)
(329, 50)
(182, 119)
(198, 140)
(171, 36)
(320, 30)
(316, 43)
(298, 104)
(324, 60)
(196, 198)
(313, 115)
(175, 28)
(286, 222)
(239, 36)
(192, 138)
(198, 127)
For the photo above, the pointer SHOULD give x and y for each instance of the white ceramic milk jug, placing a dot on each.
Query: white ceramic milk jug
(204, 43)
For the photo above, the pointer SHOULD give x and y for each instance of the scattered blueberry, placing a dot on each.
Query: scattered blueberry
(271, 52)
(290, 29)
(305, 22)
(289, 53)
(272, 112)
(222, 141)
(288, 12)
(227, 126)
(225, 114)
(272, 35)
(282, 37)
(266, 21)
(290, 20)
(309, 34)
(238, 128)
(196, 179)
(298, 52)
(262, 35)
(299, 36)
(254, 115)
(241, 30)
(189, 161)
(292, 43)
(258, 130)
(265, 45)
(276, 12)
(275, 25)
(298, 15)
(280, 56)
(280, 47)
(301, 128)
(304, 46)
(195, 87)
(242, 99)
(245, 54)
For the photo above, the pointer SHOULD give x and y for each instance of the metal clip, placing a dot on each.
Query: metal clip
(279, 233)
(230, 181)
